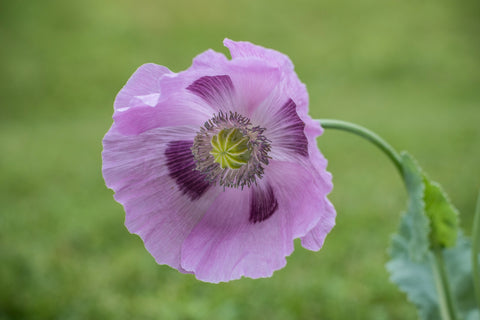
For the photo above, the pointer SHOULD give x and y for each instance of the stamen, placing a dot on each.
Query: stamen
(230, 151)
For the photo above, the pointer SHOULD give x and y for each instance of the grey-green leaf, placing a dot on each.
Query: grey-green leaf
(411, 260)
(414, 227)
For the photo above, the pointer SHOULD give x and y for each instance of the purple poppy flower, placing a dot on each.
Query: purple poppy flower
(217, 166)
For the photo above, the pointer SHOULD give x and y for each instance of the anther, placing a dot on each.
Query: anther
(230, 151)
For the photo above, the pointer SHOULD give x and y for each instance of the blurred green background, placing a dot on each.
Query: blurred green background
(409, 70)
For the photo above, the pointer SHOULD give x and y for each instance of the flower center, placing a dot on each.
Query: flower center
(230, 148)
(230, 151)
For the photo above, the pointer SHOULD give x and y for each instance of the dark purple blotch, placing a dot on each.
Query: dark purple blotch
(294, 138)
(181, 168)
(262, 204)
(215, 90)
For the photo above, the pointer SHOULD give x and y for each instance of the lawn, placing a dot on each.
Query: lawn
(409, 71)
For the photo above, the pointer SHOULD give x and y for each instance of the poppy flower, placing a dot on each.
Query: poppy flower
(217, 167)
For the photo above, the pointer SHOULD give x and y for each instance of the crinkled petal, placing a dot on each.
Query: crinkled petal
(312, 131)
(209, 60)
(217, 91)
(181, 167)
(252, 79)
(145, 81)
(251, 82)
(208, 63)
(315, 238)
(149, 100)
(292, 132)
(244, 49)
(254, 82)
(225, 245)
(292, 86)
(286, 132)
(157, 209)
(263, 203)
(176, 111)
(249, 233)
(302, 194)
(237, 86)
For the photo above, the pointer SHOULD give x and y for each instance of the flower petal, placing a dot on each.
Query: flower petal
(174, 111)
(208, 63)
(237, 85)
(286, 131)
(157, 209)
(292, 87)
(262, 203)
(181, 167)
(144, 81)
(225, 245)
(301, 193)
(217, 91)
(209, 60)
(244, 49)
(254, 81)
(315, 238)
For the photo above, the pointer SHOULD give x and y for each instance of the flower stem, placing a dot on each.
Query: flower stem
(447, 310)
(445, 299)
(476, 251)
(367, 134)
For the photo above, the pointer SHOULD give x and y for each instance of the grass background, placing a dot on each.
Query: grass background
(409, 70)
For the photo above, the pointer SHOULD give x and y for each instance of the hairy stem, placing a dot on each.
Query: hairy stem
(440, 275)
(445, 299)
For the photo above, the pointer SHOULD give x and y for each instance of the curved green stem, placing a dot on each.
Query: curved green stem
(445, 299)
(367, 134)
(476, 251)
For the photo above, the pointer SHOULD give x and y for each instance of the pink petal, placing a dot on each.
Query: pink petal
(144, 81)
(175, 111)
(244, 49)
(301, 191)
(254, 82)
(252, 79)
(315, 238)
(249, 82)
(286, 132)
(181, 167)
(217, 91)
(208, 63)
(292, 87)
(225, 245)
(157, 209)
(209, 60)
(228, 243)
(312, 131)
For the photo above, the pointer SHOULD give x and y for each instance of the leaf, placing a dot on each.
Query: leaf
(411, 263)
(415, 225)
(458, 262)
(409, 266)
(442, 214)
